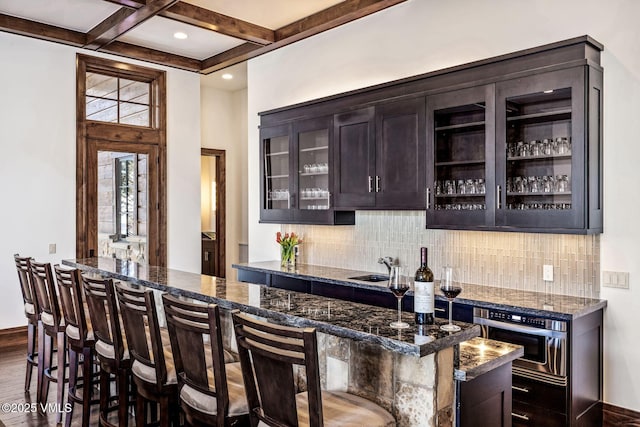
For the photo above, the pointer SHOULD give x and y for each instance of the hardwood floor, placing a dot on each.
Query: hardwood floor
(12, 374)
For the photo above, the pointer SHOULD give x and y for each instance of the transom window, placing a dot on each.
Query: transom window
(117, 100)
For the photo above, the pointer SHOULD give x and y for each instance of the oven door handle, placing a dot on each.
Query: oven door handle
(519, 328)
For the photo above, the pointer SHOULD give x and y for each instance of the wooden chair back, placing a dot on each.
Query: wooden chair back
(140, 321)
(189, 324)
(72, 302)
(47, 296)
(268, 354)
(26, 286)
(103, 312)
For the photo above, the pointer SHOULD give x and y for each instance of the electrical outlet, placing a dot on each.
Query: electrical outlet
(615, 279)
(547, 273)
(52, 248)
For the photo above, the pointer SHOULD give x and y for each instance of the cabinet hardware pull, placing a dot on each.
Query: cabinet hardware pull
(498, 197)
(377, 184)
(370, 184)
(441, 310)
(522, 389)
(289, 202)
(522, 417)
(206, 256)
(428, 198)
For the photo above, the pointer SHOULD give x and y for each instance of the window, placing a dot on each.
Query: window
(126, 196)
(117, 100)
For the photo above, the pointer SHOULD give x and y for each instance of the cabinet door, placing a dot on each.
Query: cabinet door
(460, 158)
(540, 151)
(276, 164)
(354, 159)
(400, 181)
(313, 163)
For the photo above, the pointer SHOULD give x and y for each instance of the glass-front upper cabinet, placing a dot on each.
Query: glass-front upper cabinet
(276, 187)
(460, 149)
(296, 174)
(313, 169)
(540, 150)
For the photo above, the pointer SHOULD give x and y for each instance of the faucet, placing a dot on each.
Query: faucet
(387, 261)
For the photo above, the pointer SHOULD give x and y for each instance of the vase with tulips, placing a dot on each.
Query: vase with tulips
(288, 243)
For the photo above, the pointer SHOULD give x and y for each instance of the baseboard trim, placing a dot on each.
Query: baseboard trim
(12, 337)
(616, 416)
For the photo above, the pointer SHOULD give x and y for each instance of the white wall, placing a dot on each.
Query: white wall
(224, 120)
(37, 161)
(425, 35)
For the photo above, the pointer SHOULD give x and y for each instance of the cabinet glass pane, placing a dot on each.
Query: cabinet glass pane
(538, 151)
(313, 170)
(276, 166)
(460, 158)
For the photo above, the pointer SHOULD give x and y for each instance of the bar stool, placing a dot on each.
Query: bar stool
(211, 392)
(52, 328)
(268, 354)
(152, 367)
(32, 313)
(110, 348)
(80, 341)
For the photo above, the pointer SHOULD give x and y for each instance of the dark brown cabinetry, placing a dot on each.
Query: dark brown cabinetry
(518, 154)
(296, 173)
(379, 157)
(209, 257)
(512, 143)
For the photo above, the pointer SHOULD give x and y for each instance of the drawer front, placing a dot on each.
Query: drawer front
(534, 393)
(524, 415)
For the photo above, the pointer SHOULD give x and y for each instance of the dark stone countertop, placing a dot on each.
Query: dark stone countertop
(351, 320)
(481, 355)
(560, 307)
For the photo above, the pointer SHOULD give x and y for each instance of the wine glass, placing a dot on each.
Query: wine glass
(450, 287)
(398, 285)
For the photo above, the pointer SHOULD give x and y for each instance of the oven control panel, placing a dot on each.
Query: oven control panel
(505, 316)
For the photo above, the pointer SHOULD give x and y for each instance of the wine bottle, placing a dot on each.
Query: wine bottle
(423, 293)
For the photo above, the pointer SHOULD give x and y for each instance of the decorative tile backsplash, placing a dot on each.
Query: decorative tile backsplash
(504, 259)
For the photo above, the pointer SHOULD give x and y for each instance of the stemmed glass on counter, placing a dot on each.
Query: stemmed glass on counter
(450, 287)
(399, 284)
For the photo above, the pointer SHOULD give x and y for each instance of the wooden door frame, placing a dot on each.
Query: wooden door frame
(221, 204)
(115, 133)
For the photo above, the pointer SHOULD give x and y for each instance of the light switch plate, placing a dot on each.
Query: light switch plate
(52, 248)
(547, 273)
(615, 279)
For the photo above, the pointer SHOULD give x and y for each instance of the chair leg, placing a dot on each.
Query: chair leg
(104, 394)
(123, 396)
(73, 385)
(46, 368)
(31, 346)
(165, 415)
(87, 384)
(40, 361)
(140, 411)
(61, 341)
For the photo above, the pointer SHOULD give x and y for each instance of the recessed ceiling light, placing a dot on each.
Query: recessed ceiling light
(227, 76)
(180, 35)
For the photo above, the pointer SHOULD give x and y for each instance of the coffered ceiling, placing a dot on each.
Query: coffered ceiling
(220, 33)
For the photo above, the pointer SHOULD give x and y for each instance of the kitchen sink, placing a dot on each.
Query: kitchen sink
(371, 278)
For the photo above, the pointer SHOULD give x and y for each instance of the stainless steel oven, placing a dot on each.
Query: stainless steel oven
(544, 342)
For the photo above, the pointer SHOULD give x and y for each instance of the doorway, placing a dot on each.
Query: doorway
(213, 212)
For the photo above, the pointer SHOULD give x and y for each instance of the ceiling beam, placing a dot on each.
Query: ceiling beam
(122, 21)
(152, 55)
(24, 27)
(210, 20)
(223, 24)
(326, 19)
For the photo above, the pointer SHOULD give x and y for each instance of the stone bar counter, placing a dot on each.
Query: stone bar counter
(409, 372)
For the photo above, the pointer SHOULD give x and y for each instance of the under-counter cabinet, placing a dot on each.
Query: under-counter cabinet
(296, 169)
(521, 154)
(379, 157)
